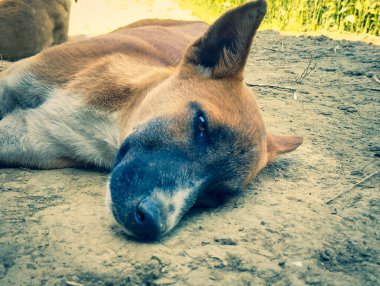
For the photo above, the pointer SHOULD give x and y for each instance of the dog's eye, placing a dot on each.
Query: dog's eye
(200, 127)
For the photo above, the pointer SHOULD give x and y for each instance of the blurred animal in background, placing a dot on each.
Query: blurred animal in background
(28, 26)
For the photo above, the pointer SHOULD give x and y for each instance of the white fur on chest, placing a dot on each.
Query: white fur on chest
(73, 130)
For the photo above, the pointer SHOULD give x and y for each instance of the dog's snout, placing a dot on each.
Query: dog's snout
(148, 219)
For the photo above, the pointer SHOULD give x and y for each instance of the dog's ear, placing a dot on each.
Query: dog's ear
(277, 144)
(223, 50)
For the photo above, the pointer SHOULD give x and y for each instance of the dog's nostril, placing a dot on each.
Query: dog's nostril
(148, 219)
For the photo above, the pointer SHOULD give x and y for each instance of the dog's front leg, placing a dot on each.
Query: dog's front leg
(7, 102)
(22, 146)
(59, 134)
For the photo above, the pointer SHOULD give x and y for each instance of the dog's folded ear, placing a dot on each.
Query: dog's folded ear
(223, 50)
(277, 144)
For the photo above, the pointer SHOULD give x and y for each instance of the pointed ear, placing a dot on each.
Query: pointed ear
(223, 50)
(277, 144)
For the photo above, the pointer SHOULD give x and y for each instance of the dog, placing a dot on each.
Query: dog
(162, 104)
(28, 26)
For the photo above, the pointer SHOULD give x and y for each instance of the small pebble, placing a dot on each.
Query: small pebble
(356, 173)
(326, 113)
(325, 256)
(73, 283)
(354, 72)
(225, 241)
(205, 242)
(330, 69)
(163, 281)
(349, 109)
(374, 149)
(297, 263)
(212, 277)
(31, 265)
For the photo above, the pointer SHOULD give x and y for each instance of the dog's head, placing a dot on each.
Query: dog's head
(200, 133)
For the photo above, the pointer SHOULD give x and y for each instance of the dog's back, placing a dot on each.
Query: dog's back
(160, 43)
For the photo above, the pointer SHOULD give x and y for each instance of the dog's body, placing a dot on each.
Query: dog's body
(28, 26)
(177, 116)
(93, 111)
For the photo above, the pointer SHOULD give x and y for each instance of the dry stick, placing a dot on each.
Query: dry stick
(73, 283)
(369, 164)
(351, 188)
(269, 49)
(272, 86)
(2, 67)
(306, 72)
(374, 77)
(307, 68)
(299, 79)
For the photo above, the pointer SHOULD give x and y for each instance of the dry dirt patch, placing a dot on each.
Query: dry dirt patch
(93, 17)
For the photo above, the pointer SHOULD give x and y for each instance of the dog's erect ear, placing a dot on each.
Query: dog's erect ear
(277, 144)
(223, 50)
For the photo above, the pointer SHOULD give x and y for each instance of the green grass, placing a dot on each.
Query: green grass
(355, 16)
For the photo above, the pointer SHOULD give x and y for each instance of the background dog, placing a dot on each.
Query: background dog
(28, 26)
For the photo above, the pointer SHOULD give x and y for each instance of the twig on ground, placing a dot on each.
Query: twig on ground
(375, 78)
(269, 49)
(367, 164)
(73, 283)
(273, 86)
(351, 188)
(2, 67)
(308, 70)
(375, 89)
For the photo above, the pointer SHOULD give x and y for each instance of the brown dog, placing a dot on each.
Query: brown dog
(160, 103)
(28, 26)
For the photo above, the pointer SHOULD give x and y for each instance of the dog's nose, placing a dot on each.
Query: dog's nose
(149, 219)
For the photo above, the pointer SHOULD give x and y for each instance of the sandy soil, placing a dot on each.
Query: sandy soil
(92, 17)
(289, 227)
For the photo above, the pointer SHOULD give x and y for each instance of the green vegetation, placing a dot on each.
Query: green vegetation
(356, 16)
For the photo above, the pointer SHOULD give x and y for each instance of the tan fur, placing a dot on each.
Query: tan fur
(28, 26)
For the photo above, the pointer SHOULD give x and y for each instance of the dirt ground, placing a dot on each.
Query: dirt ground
(93, 17)
(311, 218)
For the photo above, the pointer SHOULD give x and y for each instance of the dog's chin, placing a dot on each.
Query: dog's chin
(108, 206)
